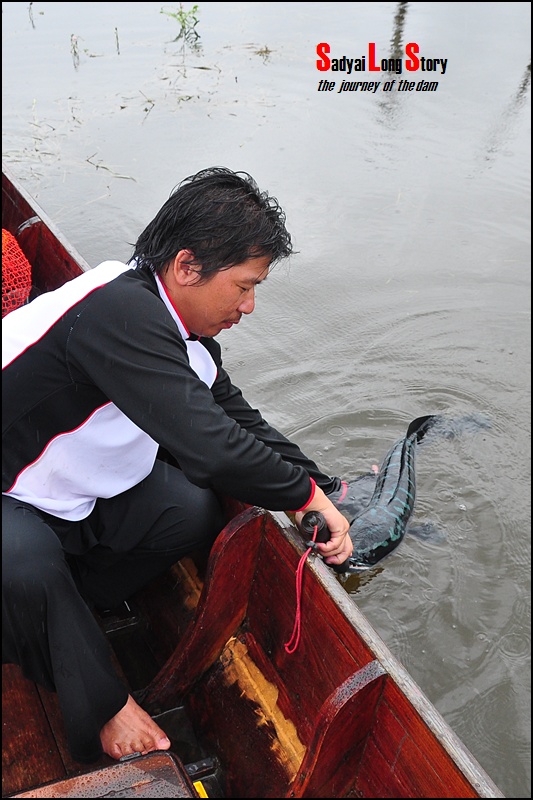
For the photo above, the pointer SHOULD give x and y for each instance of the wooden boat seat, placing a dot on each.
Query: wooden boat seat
(232, 666)
(158, 774)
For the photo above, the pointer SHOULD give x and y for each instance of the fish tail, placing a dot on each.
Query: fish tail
(420, 426)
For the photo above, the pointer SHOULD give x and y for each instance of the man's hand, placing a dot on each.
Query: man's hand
(340, 546)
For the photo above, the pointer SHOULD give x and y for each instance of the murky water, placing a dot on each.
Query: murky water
(410, 293)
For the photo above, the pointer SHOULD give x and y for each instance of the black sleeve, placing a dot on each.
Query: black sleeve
(230, 398)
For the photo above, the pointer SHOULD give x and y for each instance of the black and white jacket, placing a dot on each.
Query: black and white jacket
(100, 373)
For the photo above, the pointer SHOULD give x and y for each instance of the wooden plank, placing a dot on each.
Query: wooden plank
(375, 777)
(154, 775)
(234, 709)
(420, 747)
(331, 763)
(30, 754)
(329, 650)
(220, 611)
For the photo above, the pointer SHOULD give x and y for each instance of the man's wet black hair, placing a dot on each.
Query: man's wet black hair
(219, 215)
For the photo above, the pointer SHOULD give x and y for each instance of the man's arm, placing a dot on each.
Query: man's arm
(230, 398)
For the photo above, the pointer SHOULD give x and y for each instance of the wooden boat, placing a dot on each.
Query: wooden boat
(203, 648)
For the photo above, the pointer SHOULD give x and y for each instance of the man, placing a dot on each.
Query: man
(103, 377)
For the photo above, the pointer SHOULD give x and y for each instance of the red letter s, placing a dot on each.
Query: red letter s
(410, 50)
(321, 49)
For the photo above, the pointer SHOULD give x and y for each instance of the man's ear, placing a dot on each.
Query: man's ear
(183, 272)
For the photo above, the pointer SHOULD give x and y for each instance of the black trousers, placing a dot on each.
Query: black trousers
(54, 571)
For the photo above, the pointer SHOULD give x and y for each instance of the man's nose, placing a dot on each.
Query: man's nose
(248, 303)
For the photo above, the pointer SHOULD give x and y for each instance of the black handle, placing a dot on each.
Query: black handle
(312, 520)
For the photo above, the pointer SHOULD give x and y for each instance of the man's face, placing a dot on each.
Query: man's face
(208, 307)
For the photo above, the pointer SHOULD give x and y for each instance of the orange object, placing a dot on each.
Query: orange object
(16, 274)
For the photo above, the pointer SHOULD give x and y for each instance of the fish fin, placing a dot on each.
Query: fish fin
(420, 425)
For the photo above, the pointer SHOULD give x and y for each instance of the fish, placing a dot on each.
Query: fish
(379, 528)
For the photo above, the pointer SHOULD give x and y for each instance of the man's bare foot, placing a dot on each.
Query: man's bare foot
(132, 730)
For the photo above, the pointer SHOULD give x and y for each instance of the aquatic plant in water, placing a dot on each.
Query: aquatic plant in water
(188, 20)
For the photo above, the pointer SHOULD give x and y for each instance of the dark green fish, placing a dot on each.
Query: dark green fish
(381, 526)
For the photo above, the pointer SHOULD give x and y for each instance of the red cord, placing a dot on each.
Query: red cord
(293, 642)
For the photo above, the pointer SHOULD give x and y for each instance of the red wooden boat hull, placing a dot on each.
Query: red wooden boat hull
(204, 651)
